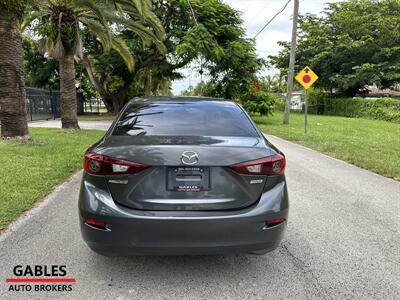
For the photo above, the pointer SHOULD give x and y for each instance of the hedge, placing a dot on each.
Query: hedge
(319, 102)
(386, 109)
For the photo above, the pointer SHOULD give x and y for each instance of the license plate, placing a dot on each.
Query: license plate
(188, 179)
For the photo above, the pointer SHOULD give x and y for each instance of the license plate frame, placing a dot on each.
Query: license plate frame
(188, 179)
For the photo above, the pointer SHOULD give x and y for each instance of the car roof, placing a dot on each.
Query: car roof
(175, 99)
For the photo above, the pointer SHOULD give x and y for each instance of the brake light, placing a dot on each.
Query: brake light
(98, 164)
(271, 166)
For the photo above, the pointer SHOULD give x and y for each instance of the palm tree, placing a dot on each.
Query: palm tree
(280, 82)
(60, 24)
(269, 81)
(12, 83)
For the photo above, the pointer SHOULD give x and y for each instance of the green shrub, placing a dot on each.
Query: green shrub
(316, 101)
(259, 102)
(280, 104)
(386, 109)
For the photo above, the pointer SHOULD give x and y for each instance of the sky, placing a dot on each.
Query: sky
(255, 14)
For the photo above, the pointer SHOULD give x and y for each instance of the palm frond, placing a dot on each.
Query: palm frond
(78, 48)
(59, 50)
(104, 19)
(95, 10)
(146, 35)
(120, 46)
(101, 32)
(91, 6)
(141, 9)
(45, 45)
(30, 17)
(137, 5)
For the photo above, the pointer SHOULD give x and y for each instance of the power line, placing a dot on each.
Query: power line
(255, 17)
(273, 18)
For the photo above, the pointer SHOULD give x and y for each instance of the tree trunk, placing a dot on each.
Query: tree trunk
(115, 102)
(13, 114)
(147, 83)
(68, 99)
(107, 103)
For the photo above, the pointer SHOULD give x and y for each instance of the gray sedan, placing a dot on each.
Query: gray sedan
(181, 175)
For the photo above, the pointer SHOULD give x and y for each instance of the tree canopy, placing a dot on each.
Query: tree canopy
(61, 24)
(39, 71)
(214, 38)
(211, 40)
(355, 43)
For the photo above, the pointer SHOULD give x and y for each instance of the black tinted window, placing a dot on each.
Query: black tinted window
(203, 118)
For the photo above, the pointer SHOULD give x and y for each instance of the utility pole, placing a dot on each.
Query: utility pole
(201, 76)
(291, 63)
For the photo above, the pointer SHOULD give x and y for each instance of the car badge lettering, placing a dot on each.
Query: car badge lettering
(118, 181)
(256, 181)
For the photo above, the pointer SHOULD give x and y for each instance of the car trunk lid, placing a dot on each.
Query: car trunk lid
(174, 181)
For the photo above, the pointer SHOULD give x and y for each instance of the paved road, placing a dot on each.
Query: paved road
(342, 242)
(99, 125)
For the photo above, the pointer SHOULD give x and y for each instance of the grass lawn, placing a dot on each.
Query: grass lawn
(369, 144)
(97, 117)
(30, 170)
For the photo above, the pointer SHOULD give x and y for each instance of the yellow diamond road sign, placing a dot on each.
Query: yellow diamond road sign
(306, 77)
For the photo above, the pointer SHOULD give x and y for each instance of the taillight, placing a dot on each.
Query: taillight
(271, 166)
(98, 164)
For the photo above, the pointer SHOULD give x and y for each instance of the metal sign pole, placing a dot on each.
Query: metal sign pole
(305, 110)
(306, 78)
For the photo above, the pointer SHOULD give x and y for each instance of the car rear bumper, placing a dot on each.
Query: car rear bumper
(136, 232)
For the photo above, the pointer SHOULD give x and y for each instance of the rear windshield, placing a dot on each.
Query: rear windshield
(203, 118)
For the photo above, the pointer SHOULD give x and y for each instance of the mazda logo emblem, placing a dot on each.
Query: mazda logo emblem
(189, 158)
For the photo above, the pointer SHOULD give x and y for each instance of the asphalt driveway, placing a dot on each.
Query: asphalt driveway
(342, 242)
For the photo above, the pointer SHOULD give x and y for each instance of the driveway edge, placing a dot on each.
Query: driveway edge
(37, 207)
